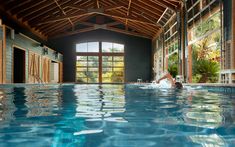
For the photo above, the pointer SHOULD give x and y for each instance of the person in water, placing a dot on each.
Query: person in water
(167, 78)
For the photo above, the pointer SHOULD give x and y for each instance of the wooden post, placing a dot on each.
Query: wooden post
(166, 59)
(1, 62)
(190, 64)
(182, 69)
(233, 34)
(60, 72)
(4, 55)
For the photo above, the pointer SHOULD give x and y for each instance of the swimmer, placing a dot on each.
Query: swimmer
(169, 78)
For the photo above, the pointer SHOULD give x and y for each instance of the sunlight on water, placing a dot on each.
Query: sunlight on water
(114, 115)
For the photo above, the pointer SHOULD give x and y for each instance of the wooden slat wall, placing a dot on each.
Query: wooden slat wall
(34, 68)
(46, 69)
(25, 43)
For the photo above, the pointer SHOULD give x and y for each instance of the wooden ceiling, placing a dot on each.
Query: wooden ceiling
(56, 18)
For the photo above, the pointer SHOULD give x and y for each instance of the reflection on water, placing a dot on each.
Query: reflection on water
(208, 140)
(114, 115)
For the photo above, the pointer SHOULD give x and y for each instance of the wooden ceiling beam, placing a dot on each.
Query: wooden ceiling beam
(71, 33)
(128, 32)
(59, 26)
(64, 13)
(138, 29)
(23, 25)
(105, 28)
(165, 4)
(67, 26)
(102, 13)
(33, 20)
(142, 12)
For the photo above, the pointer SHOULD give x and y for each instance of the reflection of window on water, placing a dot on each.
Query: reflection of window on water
(7, 106)
(208, 140)
(100, 102)
(100, 65)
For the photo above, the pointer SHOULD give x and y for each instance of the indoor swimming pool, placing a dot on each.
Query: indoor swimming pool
(114, 116)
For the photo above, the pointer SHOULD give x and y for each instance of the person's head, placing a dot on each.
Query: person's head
(178, 85)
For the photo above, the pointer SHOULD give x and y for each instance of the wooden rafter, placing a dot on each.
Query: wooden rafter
(61, 9)
(53, 17)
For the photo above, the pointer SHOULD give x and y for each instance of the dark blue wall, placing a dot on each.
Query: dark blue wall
(137, 53)
(227, 19)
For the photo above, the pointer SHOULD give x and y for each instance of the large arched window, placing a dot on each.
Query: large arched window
(100, 62)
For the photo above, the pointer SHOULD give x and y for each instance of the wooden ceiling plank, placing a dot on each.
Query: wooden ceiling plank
(26, 6)
(15, 4)
(34, 10)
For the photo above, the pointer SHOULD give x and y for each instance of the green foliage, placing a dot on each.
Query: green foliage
(205, 71)
(173, 64)
(206, 52)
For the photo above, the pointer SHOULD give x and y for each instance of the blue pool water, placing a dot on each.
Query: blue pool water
(114, 116)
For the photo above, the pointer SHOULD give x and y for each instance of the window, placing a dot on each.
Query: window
(87, 47)
(100, 62)
(112, 47)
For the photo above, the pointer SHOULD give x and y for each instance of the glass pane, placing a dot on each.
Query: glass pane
(107, 58)
(93, 46)
(118, 64)
(93, 69)
(81, 74)
(107, 47)
(107, 69)
(81, 47)
(118, 47)
(118, 69)
(107, 64)
(93, 58)
(90, 63)
(82, 63)
(81, 69)
(82, 80)
(106, 80)
(107, 74)
(118, 58)
(81, 58)
(93, 80)
(92, 77)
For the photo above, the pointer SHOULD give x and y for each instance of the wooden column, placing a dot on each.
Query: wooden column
(60, 72)
(190, 64)
(190, 59)
(233, 34)
(4, 55)
(182, 35)
(166, 60)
